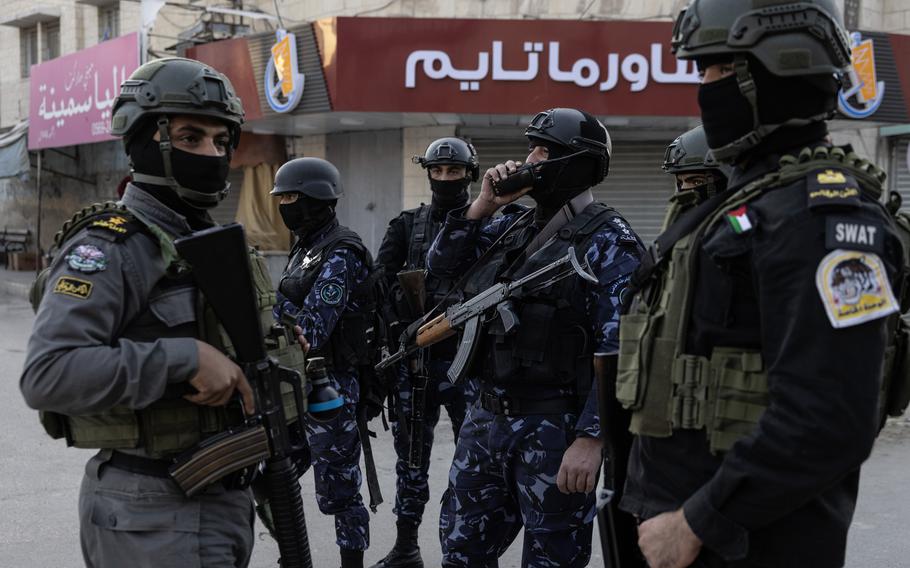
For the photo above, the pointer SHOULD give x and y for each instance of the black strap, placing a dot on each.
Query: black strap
(420, 237)
(368, 461)
(140, 464)
(510, 406)
(688, 223)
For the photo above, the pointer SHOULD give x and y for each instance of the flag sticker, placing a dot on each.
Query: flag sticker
(739, 220)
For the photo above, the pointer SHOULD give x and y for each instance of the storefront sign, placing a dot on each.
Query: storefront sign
(505, 66)
(71, 97)
(284, 83)
(867, 94)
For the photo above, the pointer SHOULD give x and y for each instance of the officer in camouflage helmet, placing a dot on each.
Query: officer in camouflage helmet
(451, 165)
(696, 179)
(117, 359)
(529, 451)
(752, 368)
(325, 290)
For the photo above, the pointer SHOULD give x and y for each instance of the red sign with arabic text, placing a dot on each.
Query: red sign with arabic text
(70, 97)
(505, 66)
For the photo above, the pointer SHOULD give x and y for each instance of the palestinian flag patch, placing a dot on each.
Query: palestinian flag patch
(739, 220)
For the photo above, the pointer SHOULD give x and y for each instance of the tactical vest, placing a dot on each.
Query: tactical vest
(724, 394)
(423, 233)
(352, 341)
(554, 344)
(170, 424)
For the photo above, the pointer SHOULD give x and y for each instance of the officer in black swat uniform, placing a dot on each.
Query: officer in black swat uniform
(697, 178)
(422, 388)
(326, 289)
(752, 356)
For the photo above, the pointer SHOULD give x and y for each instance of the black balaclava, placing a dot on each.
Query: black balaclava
(449, 194)
(728, 116)
(558, 182)
(207, 174)
(307, 214)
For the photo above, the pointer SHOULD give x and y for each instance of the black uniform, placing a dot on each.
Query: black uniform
(784, 495)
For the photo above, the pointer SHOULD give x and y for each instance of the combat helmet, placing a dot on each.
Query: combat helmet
(579, 132)
(451, 151)
(689, 153)
(173, 86)
(312, 177)
(789, 39)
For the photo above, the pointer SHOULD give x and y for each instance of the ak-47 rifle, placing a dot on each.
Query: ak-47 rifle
(468, 315)
(413, 287)
(220, 263)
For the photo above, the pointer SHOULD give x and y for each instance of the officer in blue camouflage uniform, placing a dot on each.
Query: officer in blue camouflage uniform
(451, 165)
(529, 452)
(321, 291)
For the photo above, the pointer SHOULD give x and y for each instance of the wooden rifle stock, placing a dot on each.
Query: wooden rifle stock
(434, 331)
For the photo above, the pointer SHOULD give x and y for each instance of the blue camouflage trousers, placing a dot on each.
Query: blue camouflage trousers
(412, 486)
(335, 456)
(503, 477)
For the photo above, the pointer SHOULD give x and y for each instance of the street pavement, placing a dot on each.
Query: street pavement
(39, 480)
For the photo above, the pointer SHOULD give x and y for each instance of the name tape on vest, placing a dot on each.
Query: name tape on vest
(853, 234)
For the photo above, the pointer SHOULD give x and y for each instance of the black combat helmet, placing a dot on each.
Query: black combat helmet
(689, 154)
(577, 131)
(778, 49)
(312, 177)
(451, 151)
(168, 87)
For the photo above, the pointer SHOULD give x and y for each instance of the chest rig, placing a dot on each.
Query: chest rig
(422, 233)
(176, 309)
(351, 343)
(553, 345)
(724, 393)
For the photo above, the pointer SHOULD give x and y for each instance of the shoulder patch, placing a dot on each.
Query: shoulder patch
(832, 188)
(115, 225)
(74, 287)
(332, 293)
(854, 234)
(624, 232)
(739, 220)
(86, 258)
(854, 288)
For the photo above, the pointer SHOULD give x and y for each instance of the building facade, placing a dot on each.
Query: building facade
(379, 80)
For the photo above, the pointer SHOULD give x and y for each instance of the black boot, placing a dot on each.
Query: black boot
(351, 558)
(406, 552)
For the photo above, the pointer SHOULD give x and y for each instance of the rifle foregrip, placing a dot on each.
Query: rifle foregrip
(434, 331)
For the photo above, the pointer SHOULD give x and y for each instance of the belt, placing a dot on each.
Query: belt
(509, 406)
(140, 464)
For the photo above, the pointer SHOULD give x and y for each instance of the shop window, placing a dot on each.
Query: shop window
(108, 21)
(38, 43)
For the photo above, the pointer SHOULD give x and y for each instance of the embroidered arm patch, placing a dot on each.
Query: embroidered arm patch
(74, 287)
(854, 288)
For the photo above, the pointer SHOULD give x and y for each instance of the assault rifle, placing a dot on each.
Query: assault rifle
(220, 263)
(469, 315)
(413, 287)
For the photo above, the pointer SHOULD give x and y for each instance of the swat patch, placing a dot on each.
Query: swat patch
(843, 232)
(331, 294)
(832, 188)
(75, 287)
(86, 258)
(854, 288)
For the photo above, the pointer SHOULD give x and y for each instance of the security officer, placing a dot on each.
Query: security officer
(752, 357)
(117, 348)
(451, 165)
(325, 290)
(696, 180)
(528, 454)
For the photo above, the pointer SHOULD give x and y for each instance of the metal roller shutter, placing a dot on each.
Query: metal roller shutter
(226, 212)
(637, 186)
(899, 180)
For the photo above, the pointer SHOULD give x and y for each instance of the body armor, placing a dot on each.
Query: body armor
(353, 338)
(171, 424)
(724, 392)
(553, 345)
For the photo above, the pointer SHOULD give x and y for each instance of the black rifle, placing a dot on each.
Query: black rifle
(413, 287)
(618, 530)
(468, 315)
(220, 264)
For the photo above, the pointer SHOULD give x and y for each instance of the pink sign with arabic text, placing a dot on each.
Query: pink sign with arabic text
(71, 97)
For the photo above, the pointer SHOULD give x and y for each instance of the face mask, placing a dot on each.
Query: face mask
(725, 113)
(206, 174)
(449, 194)
(306, 214)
